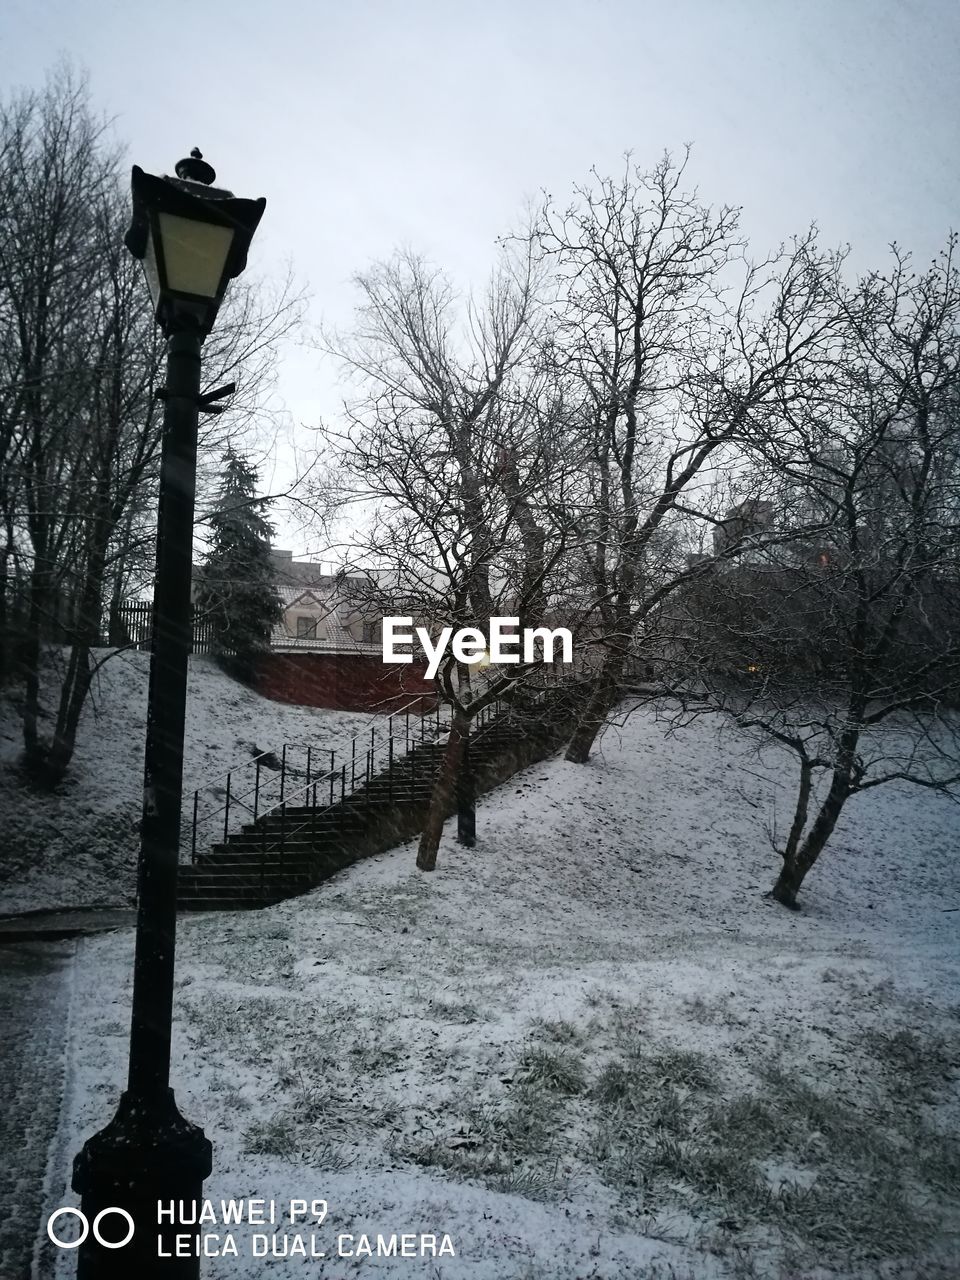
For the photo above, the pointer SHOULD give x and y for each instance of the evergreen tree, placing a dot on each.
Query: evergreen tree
(236, 595)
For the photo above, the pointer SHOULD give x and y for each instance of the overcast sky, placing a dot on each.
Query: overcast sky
(367, 124)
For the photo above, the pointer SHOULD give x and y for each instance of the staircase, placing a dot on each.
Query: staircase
(375, 800)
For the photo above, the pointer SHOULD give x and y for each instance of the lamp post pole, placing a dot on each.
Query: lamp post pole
(149, 1155)
(143, 1173)
(171, 643)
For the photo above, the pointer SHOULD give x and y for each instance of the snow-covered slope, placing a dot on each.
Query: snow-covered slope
(588, 1049)
(78, 847)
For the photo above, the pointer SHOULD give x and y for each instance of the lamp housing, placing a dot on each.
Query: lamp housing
(192, 239)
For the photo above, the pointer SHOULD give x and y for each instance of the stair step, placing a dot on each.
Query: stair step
(304, 832)
(272, 887)
(322, 823)
(246, 870)
(301, 855)
(324, 818)
(251, 867)
(231, 855)
(227, 903)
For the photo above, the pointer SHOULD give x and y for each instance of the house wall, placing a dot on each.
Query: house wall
(344, 682)
(315, 612)
(330, 617)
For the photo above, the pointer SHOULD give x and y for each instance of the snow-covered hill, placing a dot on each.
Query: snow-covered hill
(78, 847)
(590, 1048)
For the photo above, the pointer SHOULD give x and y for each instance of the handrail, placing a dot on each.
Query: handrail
(245, 760)
(315, 812)
(503, 711)
(500, 707)
(199, 820)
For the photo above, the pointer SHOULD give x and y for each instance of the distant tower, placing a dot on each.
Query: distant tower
(742, 521)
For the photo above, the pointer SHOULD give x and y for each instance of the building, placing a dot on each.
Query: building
(322, 611)
(745, 520)
(326, 649)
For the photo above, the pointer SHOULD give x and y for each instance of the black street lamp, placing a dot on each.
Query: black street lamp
(192, 239)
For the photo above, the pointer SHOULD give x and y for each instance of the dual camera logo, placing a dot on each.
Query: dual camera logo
(86, 1227)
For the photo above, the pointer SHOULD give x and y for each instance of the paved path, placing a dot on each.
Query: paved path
(45, 926)
(35, 982)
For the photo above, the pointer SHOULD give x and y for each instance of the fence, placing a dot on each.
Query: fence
(132, 625)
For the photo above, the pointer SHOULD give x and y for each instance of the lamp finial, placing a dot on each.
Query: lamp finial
(196, 169)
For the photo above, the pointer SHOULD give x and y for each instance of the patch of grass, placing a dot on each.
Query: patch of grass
(556, 1031)
(913, 1065)
(640, 1083)
(309, 1101)
(615, 1086)
(276, 1136)
(863, 1188)
(700, 1010)
(750, 1121)
(628, 1022)
(681, 1067)
(330, 1157)
(234, 1100)
(557, 1070)
(276, 932)
(513, 1142)
(531, 1183)
(454, 1011)
(522, 1124)
(937, 1161)
(374, 1058)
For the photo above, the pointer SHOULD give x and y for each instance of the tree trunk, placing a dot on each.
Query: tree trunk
(444, 789)
(466, 798)
(86, 634)
(73, 695)
(595, 713)
(796, 866)
(801, 810)
(6, 640)
(34, 753)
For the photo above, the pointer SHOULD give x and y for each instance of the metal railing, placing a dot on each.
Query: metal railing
(397, 764)
(257, 786)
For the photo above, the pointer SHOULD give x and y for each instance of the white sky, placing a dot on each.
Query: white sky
(367, 124)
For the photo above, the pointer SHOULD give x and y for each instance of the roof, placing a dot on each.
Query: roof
(336, 640)
(305, 573)
(290, 595)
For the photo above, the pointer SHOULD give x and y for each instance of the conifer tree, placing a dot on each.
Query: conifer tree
(236, 595)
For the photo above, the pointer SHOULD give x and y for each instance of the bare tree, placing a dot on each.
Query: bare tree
(842, 641)
(451, 449)
(81, 363)
(672, 353)
(55, 180)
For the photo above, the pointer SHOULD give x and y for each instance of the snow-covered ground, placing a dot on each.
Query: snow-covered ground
(588, 1048)
(78, 846)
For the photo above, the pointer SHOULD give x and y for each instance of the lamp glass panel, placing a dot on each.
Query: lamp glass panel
(194, 254)
(150, 270)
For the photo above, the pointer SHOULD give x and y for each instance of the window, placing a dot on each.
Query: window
(306, 628)
(369, 633)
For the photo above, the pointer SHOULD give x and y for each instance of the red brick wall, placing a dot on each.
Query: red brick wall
(344, 682)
